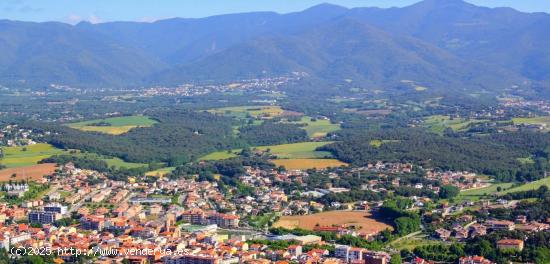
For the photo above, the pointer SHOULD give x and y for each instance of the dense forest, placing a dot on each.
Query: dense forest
(271, 133)
(179, 137)
(495, 154)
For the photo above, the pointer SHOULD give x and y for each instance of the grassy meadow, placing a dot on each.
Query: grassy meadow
(318, 127)
(438, 123)
(245, 111)
(304, 150)
(528, 186)
(303, 164)
(25, 156)
(117, 125)
(377, 142)
(160, 172)
(532, 120)
(475, 194)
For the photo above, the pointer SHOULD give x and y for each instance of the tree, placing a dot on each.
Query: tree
(405, 225)
(448, 191)
(396, 259)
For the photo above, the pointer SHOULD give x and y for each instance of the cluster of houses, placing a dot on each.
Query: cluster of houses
(268, 84)
(467, 227)
(14, 136)
(462, 179)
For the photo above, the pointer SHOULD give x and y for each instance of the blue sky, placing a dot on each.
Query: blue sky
(72, 11)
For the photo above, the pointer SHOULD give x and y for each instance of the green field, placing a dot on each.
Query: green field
(532, 120)
(304, 164)
(412, 242)
(160, 172)
(317, 128)
(17, 157)
(117, 125)
(438, 123)
(220, 155)
(245, 111)
(119, 163)
(475, 194)
(303, 150)
(528, 186)
(113, 161)
(377, 142)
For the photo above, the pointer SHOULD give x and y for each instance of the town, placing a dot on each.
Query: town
(85, 210)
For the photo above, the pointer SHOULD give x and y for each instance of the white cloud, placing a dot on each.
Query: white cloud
(94, 19)
(149, 19)
(74, 19)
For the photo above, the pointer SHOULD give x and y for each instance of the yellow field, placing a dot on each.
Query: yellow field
(254, 111)
(302, 164)
(160, 172)
(361, 220)
(117, 125)
(113, 130)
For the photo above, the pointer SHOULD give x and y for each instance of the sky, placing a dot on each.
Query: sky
(97, 11)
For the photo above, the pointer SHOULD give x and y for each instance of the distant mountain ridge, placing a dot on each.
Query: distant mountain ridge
(444, 44)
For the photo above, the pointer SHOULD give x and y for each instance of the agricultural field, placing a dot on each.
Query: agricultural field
(220, 155)
(303, 150)
(160, 172)
(372, 112)
(119, 163)
(113, 161)
(114, 125)
(33, 172)
(532, 120)
(361, 220)
(528, 186)
(475, 194)
(303, 164)
(25, 156)
(246, 111)
(318, 127)
(438, 123)
(377, 143)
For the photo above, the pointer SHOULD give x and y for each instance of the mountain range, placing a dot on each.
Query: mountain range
(441, 44)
